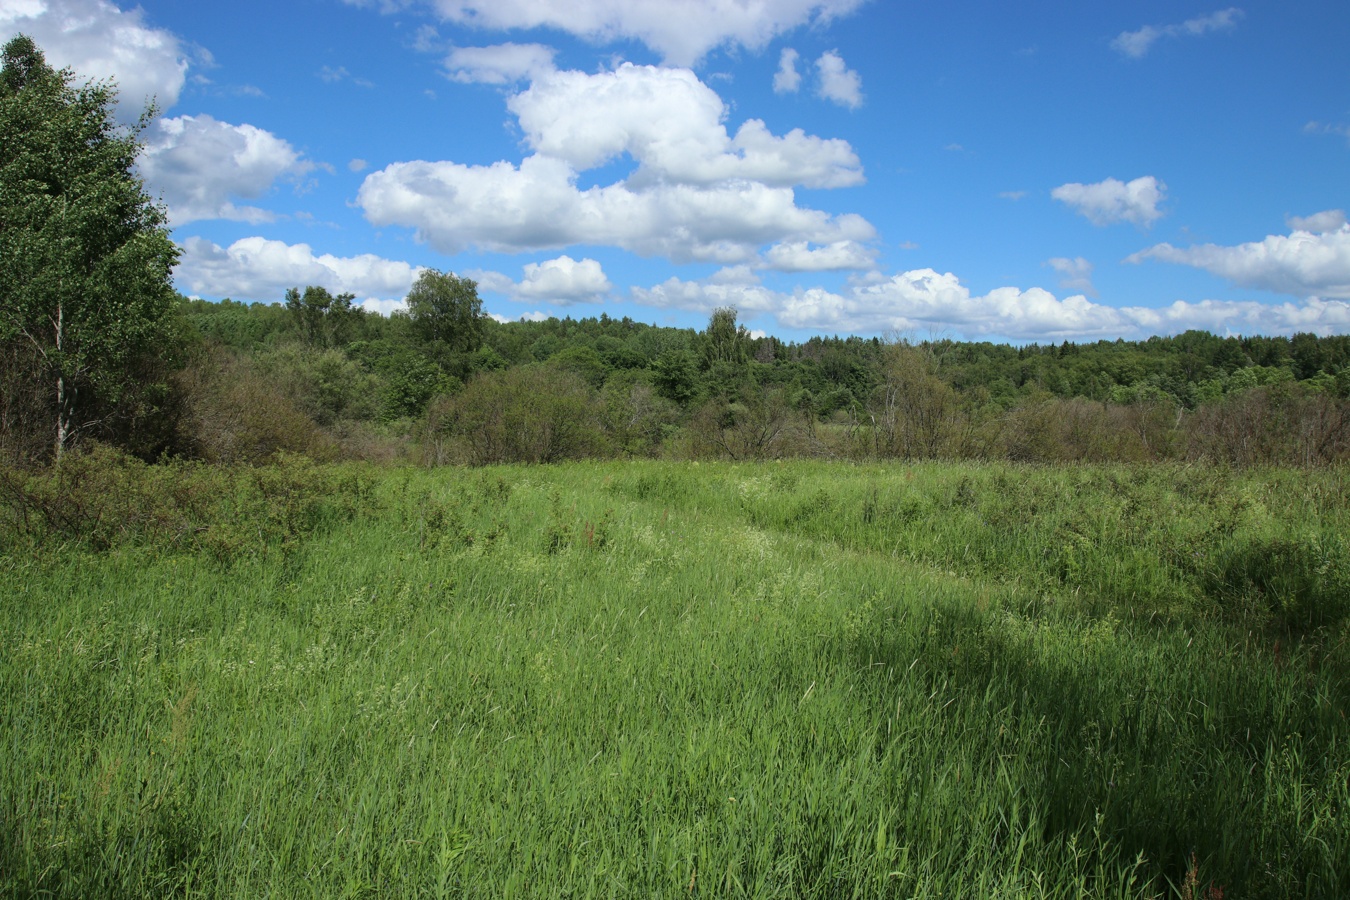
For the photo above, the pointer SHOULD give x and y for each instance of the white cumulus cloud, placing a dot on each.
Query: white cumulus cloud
(538, 206)
(255, 268)
(671, 124)
(924, 300)
(1327, 220)
(787, 80)
(1302, 264)
(1110, 201)
(698, 193)
(1136, 44)
(1324, 317)
(198, 164)
(800, 256)
(563, 281)
(839, 83)
(682, 31)
(499, 63)
(706, 296)
(97, 40)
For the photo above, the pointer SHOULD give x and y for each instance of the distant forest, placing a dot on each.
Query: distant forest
(319, 376)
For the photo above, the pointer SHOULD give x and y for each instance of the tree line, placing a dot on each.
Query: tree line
(442, 383)
(95, 345)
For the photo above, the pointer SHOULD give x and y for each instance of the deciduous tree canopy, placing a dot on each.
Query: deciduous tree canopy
(86, 303)
(445, 307)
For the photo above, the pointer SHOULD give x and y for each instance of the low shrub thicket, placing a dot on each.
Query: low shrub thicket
(534, 414)
(103, 499)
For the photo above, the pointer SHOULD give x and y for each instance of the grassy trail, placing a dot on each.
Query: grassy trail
(668, 680)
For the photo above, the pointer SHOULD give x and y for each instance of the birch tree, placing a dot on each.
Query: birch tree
(85, 258)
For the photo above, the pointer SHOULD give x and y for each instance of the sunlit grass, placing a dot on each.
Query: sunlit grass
(661, 679)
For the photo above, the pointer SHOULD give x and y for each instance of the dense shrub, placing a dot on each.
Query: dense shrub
(754, 423)
(24, 417)
(1054, 430)
(103, 499)
(1280, 424)
(914, 413)
(636, 419)
(326, 385)
(239, 416)
(535, 414)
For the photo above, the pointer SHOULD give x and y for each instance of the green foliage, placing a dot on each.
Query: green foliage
(410, 384)
(239, 416)
(1193, 397)
(446, 308)
(915, 414)
(537, 414)
(723, 341)
(239, 326)
(782, 680)
(327, 385)
(407, 377)
(676, 376)
(755, 423)
(85, 258)
(585, 362)
(1288, 581)
(636, 419)
(104, 500)
(319, 317)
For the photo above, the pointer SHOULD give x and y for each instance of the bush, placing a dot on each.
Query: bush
(757, 423)
(533, 414)
(238, 416)
(636, 419)
(915, 414)
(1078, 430)
(1281, 424)
(325, 384)
(102, 499)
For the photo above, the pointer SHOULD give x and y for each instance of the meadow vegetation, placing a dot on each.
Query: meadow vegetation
(849, 617)
(660, 679)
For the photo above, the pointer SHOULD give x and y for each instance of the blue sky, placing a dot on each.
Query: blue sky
(1028, 172)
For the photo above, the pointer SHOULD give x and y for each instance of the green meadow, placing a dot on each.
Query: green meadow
(661, 679)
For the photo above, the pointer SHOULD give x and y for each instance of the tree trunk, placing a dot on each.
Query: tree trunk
(62, 417)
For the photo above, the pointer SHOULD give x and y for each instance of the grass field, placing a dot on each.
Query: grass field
(680, 680)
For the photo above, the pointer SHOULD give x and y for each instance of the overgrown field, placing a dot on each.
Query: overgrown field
(675, 680)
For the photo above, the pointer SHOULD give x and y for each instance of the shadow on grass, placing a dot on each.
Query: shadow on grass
(1168, 744)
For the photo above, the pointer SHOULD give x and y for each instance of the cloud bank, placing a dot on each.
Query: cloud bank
(1302, 264)
(925, 301)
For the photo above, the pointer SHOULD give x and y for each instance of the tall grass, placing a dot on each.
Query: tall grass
(648, 679)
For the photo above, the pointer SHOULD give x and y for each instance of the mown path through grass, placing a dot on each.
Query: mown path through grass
(660, 679)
